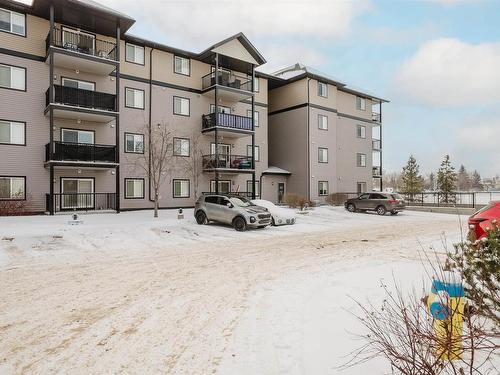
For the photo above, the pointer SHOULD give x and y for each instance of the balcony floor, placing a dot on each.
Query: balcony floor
(227, 93)
(74, 60)
(81, 113)
(228, 132)
(84, 165)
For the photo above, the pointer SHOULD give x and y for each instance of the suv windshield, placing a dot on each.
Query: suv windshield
(241, 202)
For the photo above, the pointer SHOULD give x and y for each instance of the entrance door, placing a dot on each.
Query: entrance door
(224, 154)
(224, 186)
(221, 108)
(78, 41)
(77, 136)
(78, 84)
(281, 191)
(77, 193)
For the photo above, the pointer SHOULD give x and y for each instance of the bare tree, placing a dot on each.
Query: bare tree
(156, 161)
(192, 166)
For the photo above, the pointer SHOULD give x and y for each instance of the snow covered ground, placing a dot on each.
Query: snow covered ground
(131, 294)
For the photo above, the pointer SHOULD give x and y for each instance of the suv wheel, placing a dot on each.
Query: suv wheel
(351, 207)
(239, 224)
(381, 210)
(201, 218)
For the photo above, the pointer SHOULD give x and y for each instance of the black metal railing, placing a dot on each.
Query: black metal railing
(67, 151)
(81, 98)
(81, 201)
(82, 43)
(226, 120)
(225, 161)
(376, 117)
(376, 171)
(376, 144)
(227, 79)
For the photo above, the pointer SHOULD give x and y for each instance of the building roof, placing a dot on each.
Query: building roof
(276, 170)
(299, 71)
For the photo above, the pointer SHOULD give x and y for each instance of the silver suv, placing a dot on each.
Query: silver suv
(231, 209)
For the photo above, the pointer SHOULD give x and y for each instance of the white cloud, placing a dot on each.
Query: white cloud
(197, 23)
(448, 72)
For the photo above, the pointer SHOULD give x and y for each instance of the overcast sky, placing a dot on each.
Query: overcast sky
(438, 61)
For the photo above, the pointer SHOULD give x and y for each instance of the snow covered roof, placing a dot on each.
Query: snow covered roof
(298, 70)
(275, 170)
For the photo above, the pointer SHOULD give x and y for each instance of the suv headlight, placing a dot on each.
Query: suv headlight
(252, 219)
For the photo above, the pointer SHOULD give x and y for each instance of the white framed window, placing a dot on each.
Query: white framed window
(12, 132)
(360, 103)
(77, 136)
(249, 187)
(12, 188)
(134, 188)
(256, 84)
(322, 155)
(360, 160)
(181, 146)
(322, 122)
(181, 188)
(361, 187)
(256, 114)
(12, 22)
(12, 77)
(134, 54)
(134, 98)
(361, 131)
(322, 89)
(182, 65)
(257, 152)
(181, 106)
(134, 143)
(78, 84)
(322, 187)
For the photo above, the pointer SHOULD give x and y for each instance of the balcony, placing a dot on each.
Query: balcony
(376, 171)
(82, 201)
(228, 163)
(376, 144)
(230, 126)
(64, 152)
(82, 51)
(232, 87)
(376, 117)
(73, 103)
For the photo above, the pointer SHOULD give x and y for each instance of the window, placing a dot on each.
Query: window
(249, 187)
(322, 122)
(181, 188)
(360, 103)
(257, 152)
(134, 98)
(322, 187)
(84, 85)
(322, 155)
(134, 188)
(182, 65)
(361, 131)
(322, 89)
(134, 143)
(181, 146)
(256, 114)
(12, 77)
(361, 187)
(181, 106)
(224, 186)
(256, 85)
(77, 136)
(12, 188)
(220, 108)
(134, 54)
(12, 22)
(377, 196)
(361, 160)
(12, 133)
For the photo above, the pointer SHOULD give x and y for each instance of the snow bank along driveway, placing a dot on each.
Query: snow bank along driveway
(129, 294)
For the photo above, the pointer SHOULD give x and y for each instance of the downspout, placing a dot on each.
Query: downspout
(150, 119)
(308, 143)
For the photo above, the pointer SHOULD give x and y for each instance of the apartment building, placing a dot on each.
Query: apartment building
(325, 133)
(80, 100)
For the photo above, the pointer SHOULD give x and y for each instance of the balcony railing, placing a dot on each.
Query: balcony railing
(377, 171)
(227, 79)
(376, 144)
(66, 151)
(226, 120)
(376, 117)
(81, 201)
(82, 43)
(236, 162)
(81, 98)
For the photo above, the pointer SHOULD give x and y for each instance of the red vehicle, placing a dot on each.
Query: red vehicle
(482, 219)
